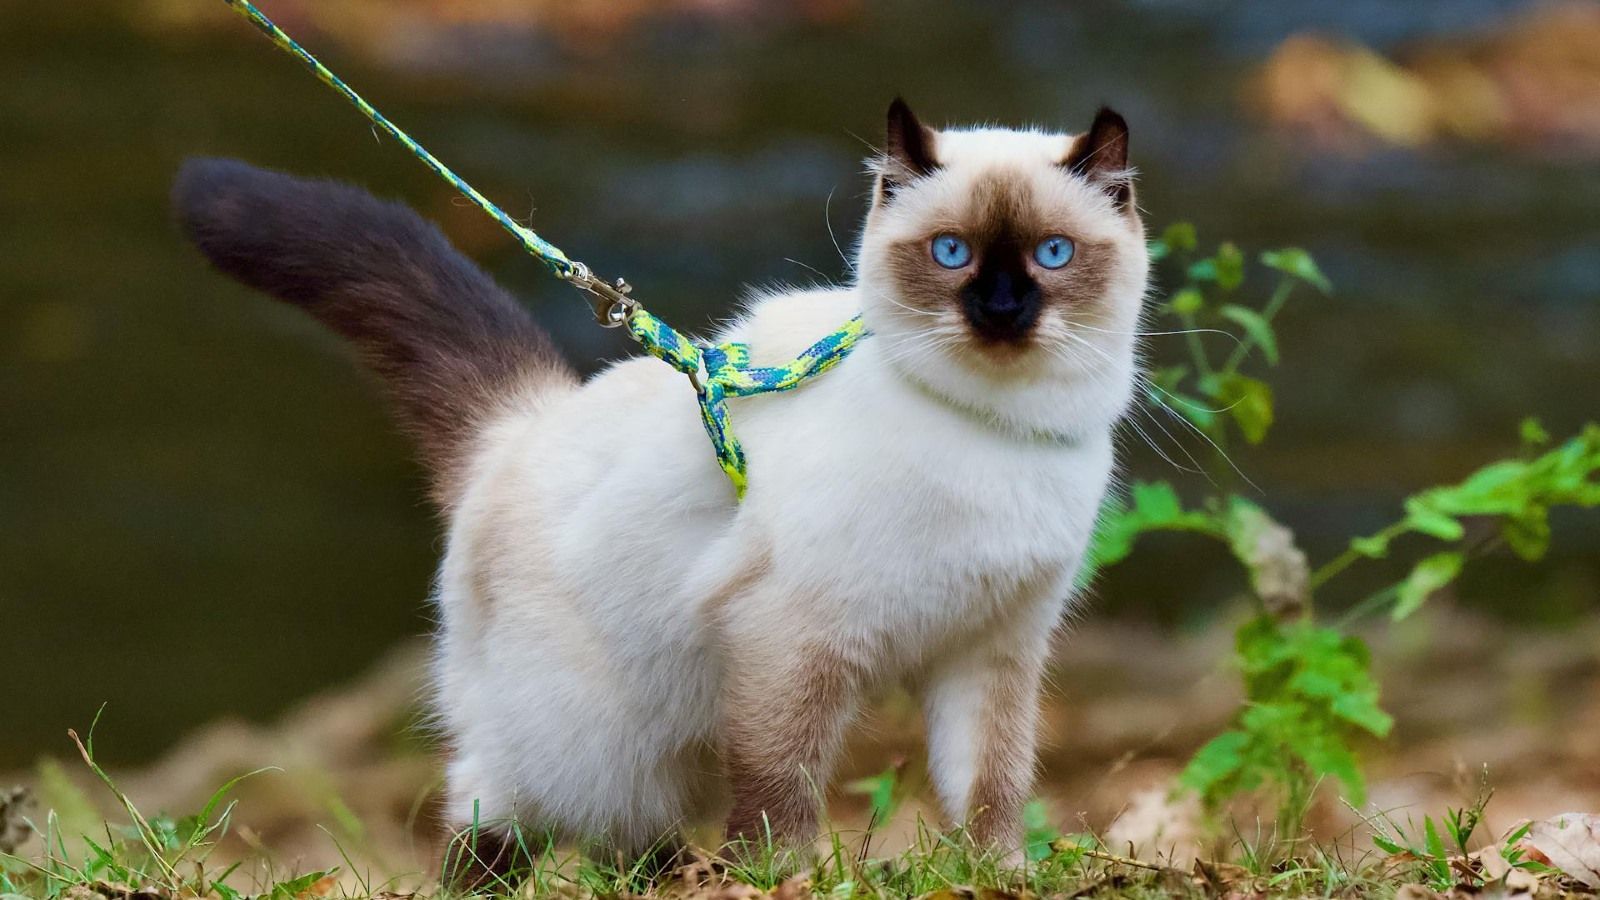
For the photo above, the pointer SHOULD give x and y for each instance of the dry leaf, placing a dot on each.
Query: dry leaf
(1160, 824)
(1521, 881)
(322, 887)
(1494, 865)
(1570, 843)
(14, 828)
(116, 890)
(1416, 892)
(795, 887)
(1222, 879)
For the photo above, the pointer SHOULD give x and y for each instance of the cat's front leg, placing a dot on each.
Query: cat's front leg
(982, 711)
(785, 707)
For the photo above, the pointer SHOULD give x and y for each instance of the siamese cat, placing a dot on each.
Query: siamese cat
(623, 647)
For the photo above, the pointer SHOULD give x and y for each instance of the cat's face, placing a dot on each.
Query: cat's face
(1008, 256)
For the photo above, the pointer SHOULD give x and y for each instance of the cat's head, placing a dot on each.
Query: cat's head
(1006, 269)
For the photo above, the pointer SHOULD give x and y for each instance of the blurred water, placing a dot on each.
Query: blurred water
(203, 509)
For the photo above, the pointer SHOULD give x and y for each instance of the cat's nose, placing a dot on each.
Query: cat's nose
(1005, 309)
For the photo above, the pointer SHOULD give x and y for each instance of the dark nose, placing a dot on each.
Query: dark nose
(1001, 305)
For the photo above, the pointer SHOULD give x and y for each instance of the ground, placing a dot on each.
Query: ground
(353, 782)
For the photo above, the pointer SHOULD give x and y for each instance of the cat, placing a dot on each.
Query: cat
(624, 648)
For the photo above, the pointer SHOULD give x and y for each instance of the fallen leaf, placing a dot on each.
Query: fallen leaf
(1521, 881)
(1493, 863)
(116, 890)
(1569, 843)
(322, 887)
(795, 887)
(1416, 892)
(1159, 824)
(14, 828)
(1222, 879)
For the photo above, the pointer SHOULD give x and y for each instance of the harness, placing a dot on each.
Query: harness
(717, 371)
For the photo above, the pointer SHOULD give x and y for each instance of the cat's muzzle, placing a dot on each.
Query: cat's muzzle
(1001, 307)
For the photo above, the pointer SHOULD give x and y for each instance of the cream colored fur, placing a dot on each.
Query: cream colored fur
(610, 613)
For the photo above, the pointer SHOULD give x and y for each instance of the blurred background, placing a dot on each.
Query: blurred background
(205, 515)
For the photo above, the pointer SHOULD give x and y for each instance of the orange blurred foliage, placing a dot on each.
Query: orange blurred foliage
(1533, 85)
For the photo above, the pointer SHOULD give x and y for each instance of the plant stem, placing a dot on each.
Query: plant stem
(1121, 860)
(1350, 555)
(1197, 350)
(1280, 296)
(1386, 596)
(1368, 606)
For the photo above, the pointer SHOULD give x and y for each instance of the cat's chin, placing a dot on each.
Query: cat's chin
(1014, 364)
(1025, 388)
(1009, 360)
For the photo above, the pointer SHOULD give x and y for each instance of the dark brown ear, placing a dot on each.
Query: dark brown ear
(1101, 155)
(909, 148)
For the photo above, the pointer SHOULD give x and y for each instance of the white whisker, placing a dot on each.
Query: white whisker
(827, 219)
(1207, 438)
(1228, 334)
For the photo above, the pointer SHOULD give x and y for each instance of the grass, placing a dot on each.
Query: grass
(159, 857)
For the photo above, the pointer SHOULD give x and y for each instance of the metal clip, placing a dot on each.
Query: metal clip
(609, 300)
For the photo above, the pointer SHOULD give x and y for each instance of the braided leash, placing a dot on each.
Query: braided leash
(717, 371)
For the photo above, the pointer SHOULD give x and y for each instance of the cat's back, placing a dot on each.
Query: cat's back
(779, 324)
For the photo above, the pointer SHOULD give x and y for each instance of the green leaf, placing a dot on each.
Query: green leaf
(880, 793)
(1297, 263)
(1256, 326)
(1180, 236)
(1423, 516)
(1363, 712)
(1373, 547)
(1528, 533)
(1038, 830)
(1387, 844)
(1428, 576)
(1218, 761)
(1152, 506)
(1533, 433)
(1229, 267)
(1249, 401)
(1156, 501)
(1434, 845)
(1187, 301)
(294, 887)
(1157, 250)
(1169, 377)
(1195, 409)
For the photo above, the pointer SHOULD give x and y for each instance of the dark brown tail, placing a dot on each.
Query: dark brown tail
(449, 344)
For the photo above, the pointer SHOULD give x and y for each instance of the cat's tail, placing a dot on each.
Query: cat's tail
(451, 347)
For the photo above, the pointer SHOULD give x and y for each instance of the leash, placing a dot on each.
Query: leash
(717, 371)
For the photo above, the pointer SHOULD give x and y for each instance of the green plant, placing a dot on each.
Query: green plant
(1424, 854)
(1309, 689)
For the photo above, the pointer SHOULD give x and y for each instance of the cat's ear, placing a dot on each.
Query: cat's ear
(908, 150)
(1101, 155)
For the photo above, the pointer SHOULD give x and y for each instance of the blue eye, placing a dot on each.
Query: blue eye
(1054, 251)
(951, 252)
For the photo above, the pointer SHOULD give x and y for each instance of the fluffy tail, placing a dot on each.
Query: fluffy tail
(448, 343)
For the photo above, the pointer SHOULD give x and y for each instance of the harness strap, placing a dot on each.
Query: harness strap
(717, 370)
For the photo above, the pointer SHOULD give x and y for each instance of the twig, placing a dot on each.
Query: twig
(1064, 847)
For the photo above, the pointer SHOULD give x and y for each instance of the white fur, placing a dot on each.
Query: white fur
(903, 504)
